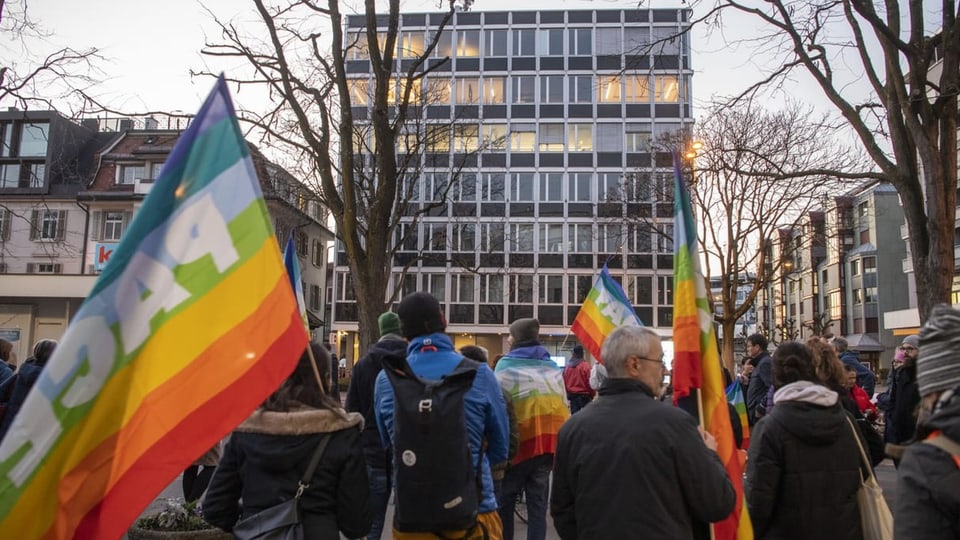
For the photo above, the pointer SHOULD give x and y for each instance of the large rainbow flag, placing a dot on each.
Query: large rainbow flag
(696, 359)
(605, 309)
(539, 400)
(189, 328)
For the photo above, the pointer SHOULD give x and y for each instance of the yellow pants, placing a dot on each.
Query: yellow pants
(489, 520)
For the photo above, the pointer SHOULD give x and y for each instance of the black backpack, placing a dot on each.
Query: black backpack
(439, 488)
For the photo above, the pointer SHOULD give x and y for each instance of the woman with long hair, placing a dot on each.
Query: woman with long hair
(804, 466)
(269, 452)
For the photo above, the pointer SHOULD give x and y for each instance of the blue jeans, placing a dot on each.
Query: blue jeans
(379, 497)
(532, 476)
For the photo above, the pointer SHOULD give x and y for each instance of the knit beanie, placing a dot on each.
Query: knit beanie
(419, 315)
(938, 364)
(525, 330)
(913, 340)
(389, 323)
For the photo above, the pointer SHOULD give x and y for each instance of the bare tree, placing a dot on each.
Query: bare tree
(909, 53)
(362, 168)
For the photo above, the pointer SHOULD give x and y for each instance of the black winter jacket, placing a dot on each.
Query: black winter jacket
(630, 466)
(760, 381)
(904, 399)
(266, 457)
(360, 395)
(928, 484)
(803, 471)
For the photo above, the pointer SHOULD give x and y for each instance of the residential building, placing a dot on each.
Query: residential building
(549, 123)
(62, 233)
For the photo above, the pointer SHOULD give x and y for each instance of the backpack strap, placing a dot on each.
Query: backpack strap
(948, 445)
(308, 474)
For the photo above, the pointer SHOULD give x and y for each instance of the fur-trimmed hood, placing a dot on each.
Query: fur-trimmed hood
(301, 420)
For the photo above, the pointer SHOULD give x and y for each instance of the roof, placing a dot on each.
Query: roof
(864, 343)
(863, 249)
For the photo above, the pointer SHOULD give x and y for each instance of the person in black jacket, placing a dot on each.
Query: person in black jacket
(760, 378)
(904, 395)
(630, 466)
(360, 399)
(928, 497)
(269, 452)
(803, 465)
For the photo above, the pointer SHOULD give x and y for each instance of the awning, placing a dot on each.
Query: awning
(864, 343)
(313, 320)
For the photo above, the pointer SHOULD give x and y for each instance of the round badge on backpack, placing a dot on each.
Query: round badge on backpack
(409, 458)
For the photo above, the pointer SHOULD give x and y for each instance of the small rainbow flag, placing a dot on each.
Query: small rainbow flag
(292, 263)
(190, 327)
(605, 309)
(696, 359)
(735, 398)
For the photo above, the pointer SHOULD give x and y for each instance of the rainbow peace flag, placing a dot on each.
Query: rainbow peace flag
(190, 327)
(696, 359)
(539, 401)
(735, 398)
(292, 263)
(605, 309)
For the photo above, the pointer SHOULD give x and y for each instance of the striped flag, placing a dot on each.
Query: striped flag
(189, 328)
(605, 309)
(735, 398)
(696, 359)
(292, 264)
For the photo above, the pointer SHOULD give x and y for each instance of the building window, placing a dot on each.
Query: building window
(522, 139)
(494, 90)
(438, 92)
(580, 137)
(48, 224)
(465, 187)
(495, 43)
(551, 137)
(637, 141)
(550, 289)
(521, 187)
(406, 236)
(870, 294)
(491, 288)
(521, 289)
(551, 237)
(639, 238)
(636, 40)
(581, 89)
(524, 89)
(869, 264)
(463, 288)
(524, 43)
(581, 238)
(665, 290)
(411, 44)
(44, 268)
(609, 237)
(314, 298)
(494, 137)
(492, 187)
(609, 187)
(468, 91)
(858, 296)
(551, 187)
(345, 291)
(578, 287)
(436, 285)
(10, 175)
(668, 39)
(4, 224)
(580, 185)
(359, 91)
(551, 89)
(129, 174)
(581, 41)
(666, 89)
(465, 237)
(436, 237)
(34, 139)
(521, 237)
(609, 42)
(466, 138)
(609, 89)
(664, 238)
(113, 223)
(551, 42)
(863, 209)
(639, 290)
(318, 253)
(435, 186)
(438, 138)
(637, 89)
(468, 43)
(855, 267)
(492, 237)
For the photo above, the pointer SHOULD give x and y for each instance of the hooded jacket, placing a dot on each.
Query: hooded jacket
(865, 378)
(760, 380)
(360, 395)
(266, 458)
(576, 377)
(928, 499)
(803, 470)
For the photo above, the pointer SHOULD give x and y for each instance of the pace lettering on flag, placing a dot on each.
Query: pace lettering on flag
(605, 309)
(696, 360)
(188, 329)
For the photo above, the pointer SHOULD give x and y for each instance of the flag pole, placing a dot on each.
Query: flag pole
(316, 370)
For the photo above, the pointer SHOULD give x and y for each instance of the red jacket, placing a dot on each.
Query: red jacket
(863, 402)
(576, 377)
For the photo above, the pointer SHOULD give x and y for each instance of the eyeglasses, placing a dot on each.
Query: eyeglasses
(655, 360)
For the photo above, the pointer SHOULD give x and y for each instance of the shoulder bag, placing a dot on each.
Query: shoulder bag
(875, 517)
(281, 521)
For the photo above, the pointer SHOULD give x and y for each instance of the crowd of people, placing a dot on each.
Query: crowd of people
(455, 437)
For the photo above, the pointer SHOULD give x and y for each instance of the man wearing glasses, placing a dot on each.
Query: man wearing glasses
(631, 466)
(904, 395)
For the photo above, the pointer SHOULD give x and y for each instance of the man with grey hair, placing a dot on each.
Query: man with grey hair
(664, 470)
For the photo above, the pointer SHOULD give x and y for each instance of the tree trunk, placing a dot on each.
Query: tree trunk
(728, 329)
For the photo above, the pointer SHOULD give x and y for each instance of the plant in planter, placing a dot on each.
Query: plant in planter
(177, 520)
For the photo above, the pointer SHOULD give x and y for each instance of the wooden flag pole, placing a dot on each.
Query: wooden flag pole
(316, 371)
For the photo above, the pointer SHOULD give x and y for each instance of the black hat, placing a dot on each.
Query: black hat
(420, 314)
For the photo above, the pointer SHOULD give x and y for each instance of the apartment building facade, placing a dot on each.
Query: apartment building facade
(550, 127)
(58, 236)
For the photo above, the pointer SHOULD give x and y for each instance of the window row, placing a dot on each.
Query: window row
(24, 139)
(524, 137)
(603, 41)
(529, 89)
(529, 237)
(641, 290)
(540, 187)
(22, 175)
(131, 173)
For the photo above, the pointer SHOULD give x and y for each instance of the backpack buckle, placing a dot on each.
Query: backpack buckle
(426, 405)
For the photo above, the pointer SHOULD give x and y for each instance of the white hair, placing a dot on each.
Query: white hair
(624, 342)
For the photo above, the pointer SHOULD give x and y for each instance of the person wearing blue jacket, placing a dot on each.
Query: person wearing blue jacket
(865, 378)
(431, 356)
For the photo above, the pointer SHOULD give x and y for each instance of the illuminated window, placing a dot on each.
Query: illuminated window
(494, 90)
(359, 90)
(580, 137)
(637, 89)
(438, 138)
(438, 92)
(610, 89)
(465, 138)
(494, 136)
(411, 44)
(468, 43)
(522, 138)
(666, 89)
(468, 91)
